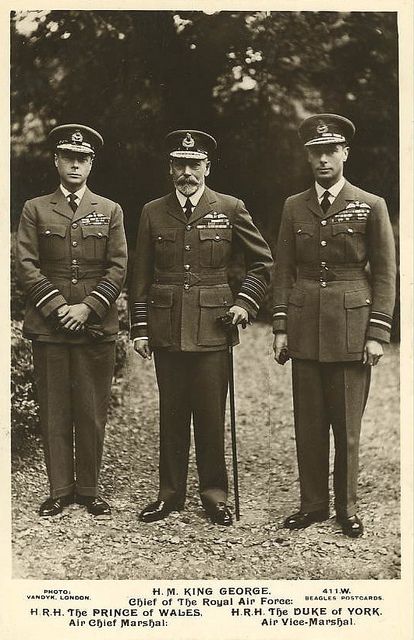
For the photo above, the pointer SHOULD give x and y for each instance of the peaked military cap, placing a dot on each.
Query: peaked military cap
(76, 137)
(326, 128)
(189, 143)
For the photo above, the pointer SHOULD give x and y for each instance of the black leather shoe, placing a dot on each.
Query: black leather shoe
(95, 505)
(301, 519)
(54, 506)
(158, 510)
(351, 526)
(220, 514)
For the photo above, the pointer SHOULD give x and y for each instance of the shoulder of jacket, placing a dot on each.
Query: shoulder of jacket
(103, 201)
(226, 198)
(369, 198)
(297, 197)
(39, 200)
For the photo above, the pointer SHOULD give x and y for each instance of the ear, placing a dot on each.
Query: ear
(208, 166)
(55, 159)
(171, 164)
(346, 153)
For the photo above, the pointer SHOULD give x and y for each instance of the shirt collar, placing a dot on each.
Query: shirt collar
(194, 198)
(333, 191)
(79, 194)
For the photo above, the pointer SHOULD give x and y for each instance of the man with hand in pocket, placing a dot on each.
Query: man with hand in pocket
(179, 289)
(333, 294)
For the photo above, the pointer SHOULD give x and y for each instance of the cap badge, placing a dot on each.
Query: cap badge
(322, 127)
(77, 137)
(188, 142)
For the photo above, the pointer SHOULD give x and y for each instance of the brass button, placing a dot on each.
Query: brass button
(323, 264)
(187, 247)
(47, 232)
(159, 238)
(188, 227)
(99, 234)
(74, 243)
(217, 237)
(74, 281)
(187, 267)
(323, 284)
(324, 222)
(74, 261)
(368, 301)
(350, 230)
(186, 286)
(152, 301)
(323, 243)
(74, 225)
(299, 231)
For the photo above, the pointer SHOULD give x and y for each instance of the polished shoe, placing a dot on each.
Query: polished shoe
(351, 526)
(302, 519)
(54, 506)
(158, 510)
(220, 514)
(95, 505)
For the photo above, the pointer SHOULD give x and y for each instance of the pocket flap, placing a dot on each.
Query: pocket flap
(92, 230)
(165, 235)
(297, 298)
(353, 299)
(214, 298)
(161, 298)
(303, 228)
(348, 228)
(53, 230)
(215, 234)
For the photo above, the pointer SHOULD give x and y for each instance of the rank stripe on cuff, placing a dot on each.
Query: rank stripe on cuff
(280, 313)
(251, 301)
(107, 291)
(253, 290)
(383, 320)
(139, 324)
(42, 292)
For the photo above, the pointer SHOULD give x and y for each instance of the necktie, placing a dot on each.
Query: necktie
(325, 204)
(188, 208)
(72, 202)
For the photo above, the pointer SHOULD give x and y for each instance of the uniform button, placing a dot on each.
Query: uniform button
(324, 223)
(187, 247)
(74, 243)
(217, 237)
(299, 231)
(99, 234)
(368, 301)
(323, 284)
(323, 264)
(74, 225)
(186, 286)
(188, 227)
(350, 230)
(74, 281)
(47, 232)
(187, 267)
(323, 243)
(74, 261)
(159, 238)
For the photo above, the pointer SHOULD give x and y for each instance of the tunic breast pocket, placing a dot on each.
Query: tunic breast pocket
(165, 246)
(306, 243)
(215, 247)
(52, 242)
(94, 241)
(350, 241)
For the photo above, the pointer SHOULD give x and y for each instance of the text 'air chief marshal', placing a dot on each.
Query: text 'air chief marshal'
(179, 289)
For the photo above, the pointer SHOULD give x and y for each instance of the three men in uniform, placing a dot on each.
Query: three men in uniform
(72, 258)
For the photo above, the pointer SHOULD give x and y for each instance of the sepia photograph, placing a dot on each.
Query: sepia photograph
(206, 312)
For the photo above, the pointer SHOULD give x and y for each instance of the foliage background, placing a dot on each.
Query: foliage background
(247, 78)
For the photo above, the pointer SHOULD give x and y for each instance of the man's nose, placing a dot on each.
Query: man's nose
(323, 158)
(187, 170)
(75, 162)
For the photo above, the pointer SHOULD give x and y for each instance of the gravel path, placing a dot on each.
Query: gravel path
(185, 545)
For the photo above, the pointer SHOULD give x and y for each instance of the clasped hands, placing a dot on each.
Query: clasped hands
(72, 317)
(373, 350)
(240, 316)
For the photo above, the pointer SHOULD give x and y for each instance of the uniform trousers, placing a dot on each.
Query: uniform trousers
(74, 386)
(192, 384)
(328, 394)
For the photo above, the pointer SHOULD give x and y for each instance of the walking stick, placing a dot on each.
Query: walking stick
(229, 328)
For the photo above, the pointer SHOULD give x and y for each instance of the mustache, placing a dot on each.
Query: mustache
(184, 180)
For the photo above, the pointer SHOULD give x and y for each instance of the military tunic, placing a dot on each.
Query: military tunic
(179, 289)
(334, 288)
(67, 257)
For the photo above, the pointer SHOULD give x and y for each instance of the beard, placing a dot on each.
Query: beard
(187, 186)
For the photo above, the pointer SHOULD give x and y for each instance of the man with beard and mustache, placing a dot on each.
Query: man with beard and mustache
(179, 288)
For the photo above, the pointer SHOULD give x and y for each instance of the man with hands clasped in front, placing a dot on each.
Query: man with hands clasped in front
(333, 294)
